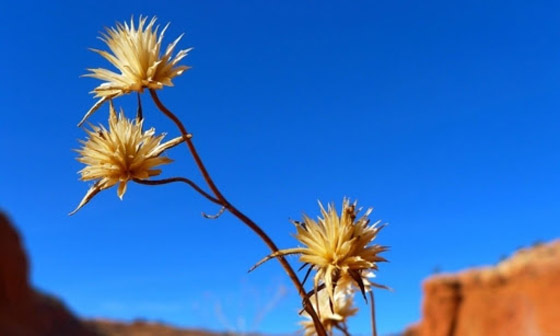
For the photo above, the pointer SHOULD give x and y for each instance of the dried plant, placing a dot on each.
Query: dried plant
(120, 154)
(136, 55)
(336, 247)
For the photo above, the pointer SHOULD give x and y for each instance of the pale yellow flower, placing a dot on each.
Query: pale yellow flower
(337, 246)
(135, 53)
(120, 154)
(332, 314)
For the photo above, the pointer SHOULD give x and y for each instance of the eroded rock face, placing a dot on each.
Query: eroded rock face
(14, 288)
(518, 297)
(140, 328)
(24, 311)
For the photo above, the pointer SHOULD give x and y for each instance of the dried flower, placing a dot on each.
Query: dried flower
(337, 247)
(120, 154)
(136, 55)
(332, 314)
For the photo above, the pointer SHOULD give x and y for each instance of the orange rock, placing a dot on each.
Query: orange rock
(518, 297)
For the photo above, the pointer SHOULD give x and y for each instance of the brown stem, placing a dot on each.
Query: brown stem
(373, 326)
(139, 115)
(179, 179)
(189, 143)
(252, 225)
(344, 329)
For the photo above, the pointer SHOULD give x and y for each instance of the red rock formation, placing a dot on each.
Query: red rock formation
(24, 311)
(140, 328)
(518, 297)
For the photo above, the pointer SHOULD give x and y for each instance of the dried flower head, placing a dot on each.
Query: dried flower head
(332, 314)
(337, 246)
(135, 52)
(120, 154)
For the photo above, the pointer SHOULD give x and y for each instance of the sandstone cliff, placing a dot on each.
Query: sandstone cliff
(518, 297)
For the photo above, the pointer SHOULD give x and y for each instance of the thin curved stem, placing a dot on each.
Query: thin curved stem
(189, 143)
(183, 180)
(343, 329)
(241, 216)
(373, 324)
(216, 216)
(283, 253)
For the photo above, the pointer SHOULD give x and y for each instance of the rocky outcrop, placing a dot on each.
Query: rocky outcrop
(518, 297)
(143, 328)
(24, 311)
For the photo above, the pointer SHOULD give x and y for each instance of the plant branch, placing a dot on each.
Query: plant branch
(216, 216)
(189, 143)
(343, 329)
(241, 216)
(373, 326)
(139, 115)
(183, 180)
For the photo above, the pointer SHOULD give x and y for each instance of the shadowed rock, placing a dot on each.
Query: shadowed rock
(24, 311)
(143, 328)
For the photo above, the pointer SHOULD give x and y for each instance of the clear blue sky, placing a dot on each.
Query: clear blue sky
(442, 116)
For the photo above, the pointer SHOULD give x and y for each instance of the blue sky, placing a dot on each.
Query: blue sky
(442, 116)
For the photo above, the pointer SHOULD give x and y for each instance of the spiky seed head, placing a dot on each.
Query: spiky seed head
(122, 153)
(136, 54)
(339, 245)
